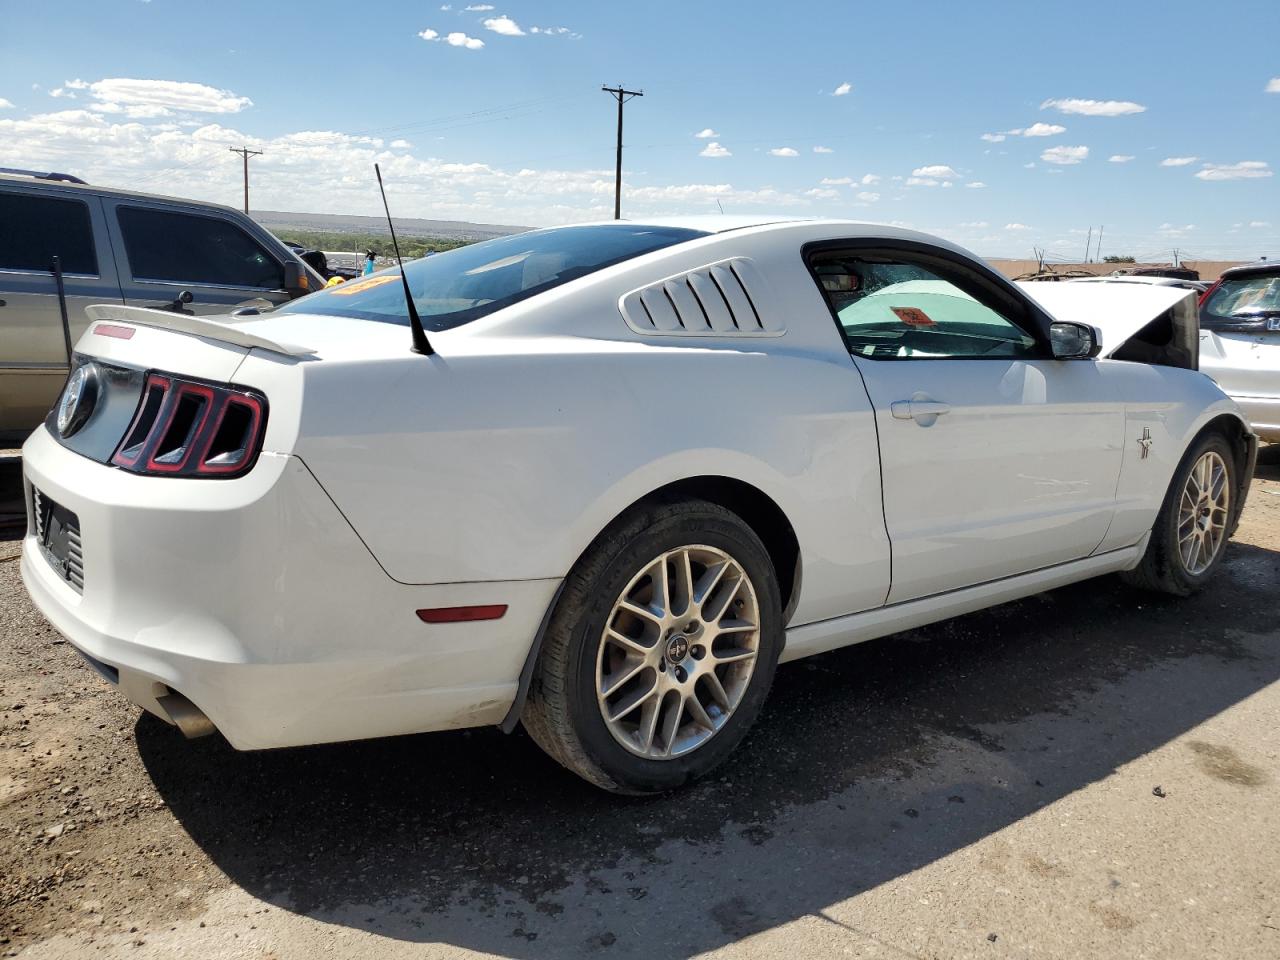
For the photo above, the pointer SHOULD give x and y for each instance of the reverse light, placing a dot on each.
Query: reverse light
(186, 428)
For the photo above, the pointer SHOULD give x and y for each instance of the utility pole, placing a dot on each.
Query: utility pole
(1097, 253)
(622, 96)
(246, 153)
(1087, 244)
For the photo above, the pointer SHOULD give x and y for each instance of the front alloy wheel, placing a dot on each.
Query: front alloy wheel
(1203, 513)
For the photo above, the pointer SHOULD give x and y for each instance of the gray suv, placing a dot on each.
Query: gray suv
(115, 246)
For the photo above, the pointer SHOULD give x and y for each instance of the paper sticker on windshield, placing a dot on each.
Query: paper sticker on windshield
(355, 286)
(913, 316)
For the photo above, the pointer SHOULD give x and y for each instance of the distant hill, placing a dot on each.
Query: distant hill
(276, 221)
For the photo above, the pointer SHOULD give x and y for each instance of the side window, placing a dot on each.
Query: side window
(33, 230)
(185, 248)
(909, 311)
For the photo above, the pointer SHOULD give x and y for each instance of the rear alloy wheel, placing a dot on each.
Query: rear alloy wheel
(1190, 534)
(678, 652)
(660, 651)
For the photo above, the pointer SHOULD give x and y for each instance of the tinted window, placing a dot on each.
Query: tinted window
(185, 248)
(906, 311)
(33, 230)
(450, 289)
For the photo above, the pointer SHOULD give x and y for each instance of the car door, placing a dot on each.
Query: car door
(167, 250)
(36, 226)
(996, 460)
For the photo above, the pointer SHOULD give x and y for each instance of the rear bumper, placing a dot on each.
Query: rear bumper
(254, 599)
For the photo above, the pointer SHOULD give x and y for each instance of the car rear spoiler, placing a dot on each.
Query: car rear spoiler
(223, 329)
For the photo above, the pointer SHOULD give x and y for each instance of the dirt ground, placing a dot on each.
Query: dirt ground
(1090, 772)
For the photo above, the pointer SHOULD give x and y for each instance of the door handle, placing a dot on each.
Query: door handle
(923, 411)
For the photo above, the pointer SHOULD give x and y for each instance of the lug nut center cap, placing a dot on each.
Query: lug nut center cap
(678, 649)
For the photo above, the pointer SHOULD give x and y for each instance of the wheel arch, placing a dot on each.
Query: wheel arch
(757, 510)
(1244, 444)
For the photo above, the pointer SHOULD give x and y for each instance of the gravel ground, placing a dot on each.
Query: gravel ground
(1088, 772)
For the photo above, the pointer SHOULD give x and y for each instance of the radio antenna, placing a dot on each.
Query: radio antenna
(420, 342)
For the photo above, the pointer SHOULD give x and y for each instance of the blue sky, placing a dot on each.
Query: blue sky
(502, 123)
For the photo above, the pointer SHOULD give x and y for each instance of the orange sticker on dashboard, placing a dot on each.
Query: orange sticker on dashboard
(355, 286)
(913, 316)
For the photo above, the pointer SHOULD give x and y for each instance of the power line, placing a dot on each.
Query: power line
(622, 96)
(246, 153)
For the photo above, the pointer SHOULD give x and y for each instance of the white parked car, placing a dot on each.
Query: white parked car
(625, 471)
(1240, 343)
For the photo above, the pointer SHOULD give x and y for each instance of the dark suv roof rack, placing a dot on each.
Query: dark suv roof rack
(50, 175)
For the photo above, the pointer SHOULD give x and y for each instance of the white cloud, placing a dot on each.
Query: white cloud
(922, 182)
(836, 181)
(400, 144)
(1120, 158)
(556, 32)
(447, 7)
(1273, 85)
(975, 185)
(1169, 230)
(169, 95)
(714, 149)
(6, 104)
(478, 8)
(706, 133)
(1244, 170)
(868, 196)
(459, 39)
(869, 178)
(823, 150)
(1029, 165)
(1043, 130)
(992, 137)
(784, 152)
(976, 224)
(1016, 226)
(429, 34)
(77, 84)
(936, 170)
(843, 90)
(1259, 223)
(1178, 161)
(503, 25)
(1094, 108)
(1065, 155)
(61, 92)
(947, 183)
(821, 193)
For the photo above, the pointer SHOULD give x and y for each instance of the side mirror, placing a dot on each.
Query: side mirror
(1074, 341)
(296, 281)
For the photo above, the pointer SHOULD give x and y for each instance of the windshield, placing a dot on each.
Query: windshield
(1243, 303)
(453, 288)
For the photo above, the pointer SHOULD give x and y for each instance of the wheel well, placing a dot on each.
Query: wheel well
(1244, 445)
(759, 511)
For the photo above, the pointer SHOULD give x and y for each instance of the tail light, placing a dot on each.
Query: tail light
(184, 428)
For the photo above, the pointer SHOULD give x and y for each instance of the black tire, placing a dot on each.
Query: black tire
(562, 714)
(1162, 568)
(1269, 454)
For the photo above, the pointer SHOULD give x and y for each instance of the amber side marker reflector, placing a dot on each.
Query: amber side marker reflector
(493, 611)
(114, 330)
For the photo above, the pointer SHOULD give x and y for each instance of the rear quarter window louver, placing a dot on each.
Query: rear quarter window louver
(725, 299)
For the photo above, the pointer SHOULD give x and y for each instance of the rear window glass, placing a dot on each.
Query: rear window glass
(185, 248)
(453, 288)
(1244, 298)
(33, 230)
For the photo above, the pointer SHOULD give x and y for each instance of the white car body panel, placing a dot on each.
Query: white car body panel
(392, 482)
(1247, 367)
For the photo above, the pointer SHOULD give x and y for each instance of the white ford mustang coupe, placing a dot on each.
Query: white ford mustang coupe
(600, 480)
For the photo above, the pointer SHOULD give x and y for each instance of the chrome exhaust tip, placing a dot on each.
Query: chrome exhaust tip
(186, 716)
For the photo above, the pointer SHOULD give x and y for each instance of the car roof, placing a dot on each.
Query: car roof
(1248, 269)
(66, 186)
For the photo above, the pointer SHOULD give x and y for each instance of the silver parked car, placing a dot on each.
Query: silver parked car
(115, 246)
(1240, 343)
